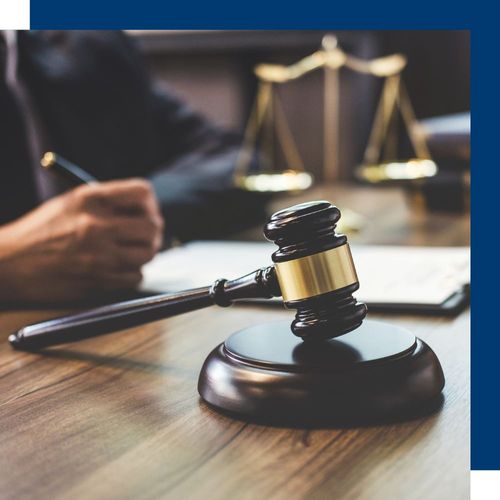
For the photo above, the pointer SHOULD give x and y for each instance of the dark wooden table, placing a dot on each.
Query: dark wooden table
(119, 416)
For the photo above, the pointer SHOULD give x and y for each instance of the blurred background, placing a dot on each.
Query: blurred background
(214, 72)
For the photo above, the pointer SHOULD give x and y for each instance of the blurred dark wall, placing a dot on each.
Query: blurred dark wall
(438, 71)
(214, 72)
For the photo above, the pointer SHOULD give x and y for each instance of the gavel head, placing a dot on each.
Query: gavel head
(315, 270)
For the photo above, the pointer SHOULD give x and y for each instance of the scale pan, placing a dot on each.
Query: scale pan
(395, 171)
(275, 182)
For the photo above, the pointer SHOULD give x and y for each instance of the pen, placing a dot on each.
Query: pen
(52, 161)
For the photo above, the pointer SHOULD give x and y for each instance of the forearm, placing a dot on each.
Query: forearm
(199, 200)
(12, 255)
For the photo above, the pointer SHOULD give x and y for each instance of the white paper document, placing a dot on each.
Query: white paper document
(387, 274)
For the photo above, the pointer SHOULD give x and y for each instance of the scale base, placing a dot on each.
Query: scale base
(378, 371)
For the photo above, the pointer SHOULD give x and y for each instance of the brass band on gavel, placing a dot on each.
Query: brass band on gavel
(316, 274)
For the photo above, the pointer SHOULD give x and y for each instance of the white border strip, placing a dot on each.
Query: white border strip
(14, 14)
(485, 485)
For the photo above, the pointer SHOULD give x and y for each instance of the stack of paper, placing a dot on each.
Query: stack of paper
(387, 274)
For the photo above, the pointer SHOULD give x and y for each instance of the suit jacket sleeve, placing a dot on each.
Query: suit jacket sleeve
(194, 183)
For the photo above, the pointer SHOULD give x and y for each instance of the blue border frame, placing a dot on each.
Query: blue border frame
(255, 14)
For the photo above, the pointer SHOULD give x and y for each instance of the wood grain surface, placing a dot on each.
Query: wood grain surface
(119, 416)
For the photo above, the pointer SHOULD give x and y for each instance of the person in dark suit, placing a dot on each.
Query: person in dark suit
(165, 171)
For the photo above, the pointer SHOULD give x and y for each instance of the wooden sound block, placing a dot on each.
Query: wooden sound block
(265, 373)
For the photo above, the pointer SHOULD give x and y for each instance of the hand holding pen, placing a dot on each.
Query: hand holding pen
(92, 239)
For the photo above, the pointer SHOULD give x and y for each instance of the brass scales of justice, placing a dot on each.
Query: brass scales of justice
(380, 163)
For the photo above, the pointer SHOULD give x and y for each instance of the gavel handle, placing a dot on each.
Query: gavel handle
(259, 284)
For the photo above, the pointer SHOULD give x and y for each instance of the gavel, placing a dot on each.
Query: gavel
(313, 271)
(336, 367)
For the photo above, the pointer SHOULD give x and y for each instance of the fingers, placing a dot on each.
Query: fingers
(114, 270)
(123, 211)
(132, 258)
(121, 196)
(117, 228)
(113, 281)
(131, 195)
(138, 231)
(122, 244)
